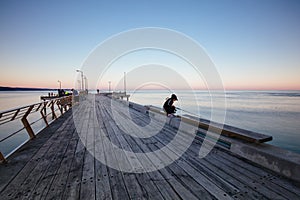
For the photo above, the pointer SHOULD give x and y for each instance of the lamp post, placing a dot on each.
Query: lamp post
(109, 83)
(79, 83)
(59, 84)
(82, 86)
(86, 82)
(125, 83)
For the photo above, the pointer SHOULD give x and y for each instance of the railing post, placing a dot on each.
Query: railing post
(59, 104)
(44, 108)
(15, 115)
(53, 111)
(66, 102)
(44, 115)
(2, 158)
(26, 123)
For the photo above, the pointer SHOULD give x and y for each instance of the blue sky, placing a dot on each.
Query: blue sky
(254, 44)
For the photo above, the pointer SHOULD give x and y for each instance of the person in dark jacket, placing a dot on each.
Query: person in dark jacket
(168, 105)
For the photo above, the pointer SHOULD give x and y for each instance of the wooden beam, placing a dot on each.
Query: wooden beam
(27, 124)
(43, 113)
(225, 130)
(2, 158)
(15, 115)
(52, 109)
(39, 107)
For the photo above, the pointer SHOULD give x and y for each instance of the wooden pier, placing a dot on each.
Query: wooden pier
(58, 165)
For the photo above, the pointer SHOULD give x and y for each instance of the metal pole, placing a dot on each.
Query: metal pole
(82, 84)
(125, 83)
(59, 84)
(79, 84)
(82, 80)
(109, 82)
(86, 83)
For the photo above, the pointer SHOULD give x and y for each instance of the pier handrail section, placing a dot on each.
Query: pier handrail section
(62, 104)
(225, 130)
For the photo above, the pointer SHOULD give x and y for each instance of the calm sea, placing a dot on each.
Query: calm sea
(275, 113)
(14, 99)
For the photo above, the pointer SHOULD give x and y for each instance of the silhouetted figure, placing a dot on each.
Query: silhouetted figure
(74, 92)
(168, 105)
(61, 92)
(75, 96)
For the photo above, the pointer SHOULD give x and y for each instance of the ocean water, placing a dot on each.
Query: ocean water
(275, 113)
(14, 99)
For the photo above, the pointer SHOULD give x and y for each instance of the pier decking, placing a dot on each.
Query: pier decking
(60, 164)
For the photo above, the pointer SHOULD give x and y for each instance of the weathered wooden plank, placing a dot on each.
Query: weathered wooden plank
(162, 179)
(103, 190)
(243, 163)
(207, 174)
(48, 173)
(29, 152)
(161, 139)
(72, 189)
(219, 175)
(73, 184)
(243, 192)
(58, 185)
(33, 170)
(184, 192)
(282, 190)
(143, 186)
(132, 185)
(87, 190)
(42, 186)
(73, 173)
(245, 178)
(196, 174)
(264, 175)
(152, 183)
(117, 184)
(185, 171)
(243, 167)
(226, 181)
(136, 189)
(181, 176)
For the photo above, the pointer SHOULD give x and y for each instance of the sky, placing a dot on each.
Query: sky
(254, 45)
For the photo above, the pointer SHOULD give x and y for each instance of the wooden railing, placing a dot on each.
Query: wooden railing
(62, 104)
(225, 130)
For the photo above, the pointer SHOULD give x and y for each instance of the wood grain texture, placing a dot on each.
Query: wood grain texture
(61, 162)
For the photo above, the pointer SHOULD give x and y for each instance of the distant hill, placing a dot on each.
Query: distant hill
(24, 89)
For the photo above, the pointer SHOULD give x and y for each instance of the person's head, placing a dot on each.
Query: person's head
(174, 97)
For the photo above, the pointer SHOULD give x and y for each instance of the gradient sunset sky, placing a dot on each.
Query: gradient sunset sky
(254, 44)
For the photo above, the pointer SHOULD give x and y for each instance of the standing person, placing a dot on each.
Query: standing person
(75, 96)
(168, 105)
(75, 92)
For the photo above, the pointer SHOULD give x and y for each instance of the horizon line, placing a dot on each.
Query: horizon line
(3, 88)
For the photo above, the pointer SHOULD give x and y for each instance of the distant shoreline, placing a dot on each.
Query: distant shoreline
(25, 89)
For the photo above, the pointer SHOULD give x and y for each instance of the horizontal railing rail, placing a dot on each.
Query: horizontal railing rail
(225, 130)
(62, 104)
